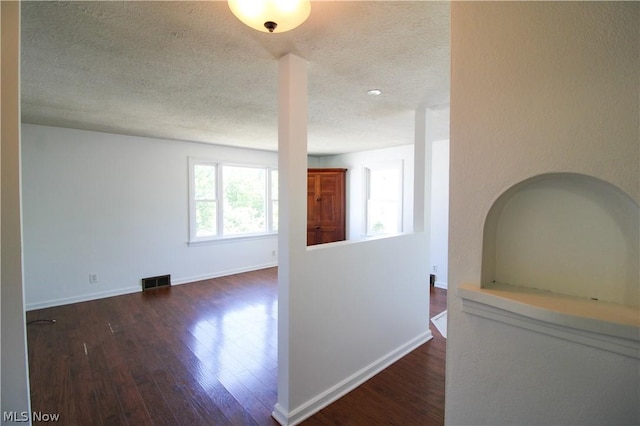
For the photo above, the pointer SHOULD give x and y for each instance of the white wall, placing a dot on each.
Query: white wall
(568, 234)
(346, 309)
(536, 88)
(356, 184)
(117, 206)
(437, 126)
(440, 212)
(14, 393)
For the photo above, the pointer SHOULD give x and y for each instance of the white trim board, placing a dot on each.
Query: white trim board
(334, 393)
(549, 317)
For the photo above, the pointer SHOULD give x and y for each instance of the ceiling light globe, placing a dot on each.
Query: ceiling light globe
(261, 14)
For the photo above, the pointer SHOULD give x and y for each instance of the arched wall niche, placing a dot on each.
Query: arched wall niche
(565, 233)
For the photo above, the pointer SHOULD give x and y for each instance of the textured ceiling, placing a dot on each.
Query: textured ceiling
(191, 71)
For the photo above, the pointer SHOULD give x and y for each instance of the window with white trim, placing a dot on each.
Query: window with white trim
(384, 198)
(231, 200)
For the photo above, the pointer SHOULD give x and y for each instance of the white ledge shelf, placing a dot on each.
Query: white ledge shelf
(608, 326)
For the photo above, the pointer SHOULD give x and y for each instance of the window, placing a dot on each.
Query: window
(205, 199)
(274, 199)
(244, 200)
(384, 198)
(231, 200)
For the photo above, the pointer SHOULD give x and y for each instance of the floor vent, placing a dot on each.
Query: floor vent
(155, 282)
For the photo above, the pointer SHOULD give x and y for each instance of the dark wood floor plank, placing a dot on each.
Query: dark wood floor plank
(140, 368)
(108, 408)
(215, 403)
(203, 353)
(85, 397)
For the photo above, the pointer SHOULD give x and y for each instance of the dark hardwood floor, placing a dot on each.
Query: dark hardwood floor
(203, 353)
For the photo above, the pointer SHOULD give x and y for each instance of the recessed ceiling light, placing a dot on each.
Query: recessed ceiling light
(374, 92)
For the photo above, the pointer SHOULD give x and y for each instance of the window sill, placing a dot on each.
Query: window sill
(231, 239)
(607, 326)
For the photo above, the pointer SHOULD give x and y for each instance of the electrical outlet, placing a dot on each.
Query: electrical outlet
(273, 253)
(93, 278)
(435, 268)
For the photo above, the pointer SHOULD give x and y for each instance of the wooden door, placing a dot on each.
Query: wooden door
(325, 206)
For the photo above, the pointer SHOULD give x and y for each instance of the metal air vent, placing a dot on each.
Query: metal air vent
(155, 282)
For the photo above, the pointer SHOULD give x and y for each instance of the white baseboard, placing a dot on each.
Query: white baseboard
(441, 284)
(81, 298)
(280, 415)
(129, 290)
(225, 273)
(334, 393)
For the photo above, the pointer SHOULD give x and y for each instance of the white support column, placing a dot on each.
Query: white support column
(292, 170)
(422, 173)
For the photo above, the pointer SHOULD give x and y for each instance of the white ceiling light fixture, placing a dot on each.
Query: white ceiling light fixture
(374, 92)
(273, 16)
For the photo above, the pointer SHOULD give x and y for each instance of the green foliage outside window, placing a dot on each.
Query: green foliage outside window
(244, 200)
(205, 199)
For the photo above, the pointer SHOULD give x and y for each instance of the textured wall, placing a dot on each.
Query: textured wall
(569, 234)
(536, 88)
(15, 382)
